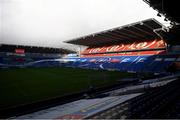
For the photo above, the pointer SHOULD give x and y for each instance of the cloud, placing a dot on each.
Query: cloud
(50, 22)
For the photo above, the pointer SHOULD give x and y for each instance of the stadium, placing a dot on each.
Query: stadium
(126, 72)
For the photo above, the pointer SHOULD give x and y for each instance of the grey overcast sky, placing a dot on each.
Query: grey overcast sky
(49, 22)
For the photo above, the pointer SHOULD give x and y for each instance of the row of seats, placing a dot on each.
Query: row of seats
(27, 62)
(148, 105)
(157, 63)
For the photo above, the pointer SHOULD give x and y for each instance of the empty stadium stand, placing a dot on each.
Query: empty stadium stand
(151, 104)
(30, 56)
(158, 63)
(131, 48)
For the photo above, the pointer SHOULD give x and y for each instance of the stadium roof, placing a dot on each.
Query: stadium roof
(139, 31)
(169, 8)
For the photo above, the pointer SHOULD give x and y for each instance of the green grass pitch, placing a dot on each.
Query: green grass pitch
(27, 85)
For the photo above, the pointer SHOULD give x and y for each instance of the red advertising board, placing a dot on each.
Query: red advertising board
(19, 51)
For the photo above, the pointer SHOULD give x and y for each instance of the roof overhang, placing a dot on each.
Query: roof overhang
(139, 31)
(168, 8)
